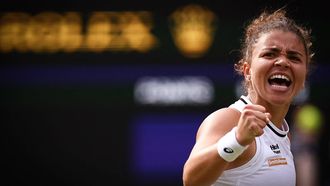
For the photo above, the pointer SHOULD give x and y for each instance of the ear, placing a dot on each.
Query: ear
(247, 71)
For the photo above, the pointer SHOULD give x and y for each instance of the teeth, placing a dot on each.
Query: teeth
(279, 76)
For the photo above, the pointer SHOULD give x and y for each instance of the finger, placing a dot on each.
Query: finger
(250, 118)
(265, 117)
(261, 116)
(259, 108)
(257, 130)
(268, 117)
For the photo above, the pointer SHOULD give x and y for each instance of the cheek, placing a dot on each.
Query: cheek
(259, 73)
(301, 77)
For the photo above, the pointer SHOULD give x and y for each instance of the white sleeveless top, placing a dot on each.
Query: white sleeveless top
(272, 164)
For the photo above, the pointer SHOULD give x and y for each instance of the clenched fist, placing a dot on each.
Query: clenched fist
(251, 123)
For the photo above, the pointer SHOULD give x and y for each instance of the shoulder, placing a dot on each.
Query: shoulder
(218, 123)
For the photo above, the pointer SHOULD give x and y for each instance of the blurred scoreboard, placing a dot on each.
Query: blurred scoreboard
(191, 29)
(95, 95)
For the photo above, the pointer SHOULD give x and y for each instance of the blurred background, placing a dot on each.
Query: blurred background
(104, 92)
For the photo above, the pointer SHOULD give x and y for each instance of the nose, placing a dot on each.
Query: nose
(282, 62)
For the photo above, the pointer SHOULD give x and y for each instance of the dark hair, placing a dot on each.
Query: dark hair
(266, 22)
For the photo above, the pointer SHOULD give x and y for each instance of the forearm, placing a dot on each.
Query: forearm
(203, 168)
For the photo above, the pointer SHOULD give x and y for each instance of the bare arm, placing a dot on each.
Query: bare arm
(204, 164)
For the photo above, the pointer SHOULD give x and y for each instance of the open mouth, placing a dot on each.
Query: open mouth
(279, 80)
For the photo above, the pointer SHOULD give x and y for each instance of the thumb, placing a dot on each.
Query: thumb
(268, 116)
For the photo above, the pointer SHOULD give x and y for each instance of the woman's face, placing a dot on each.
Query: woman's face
(278, 68)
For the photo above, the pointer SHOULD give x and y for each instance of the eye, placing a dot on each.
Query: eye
(294, 58)
(268, 55)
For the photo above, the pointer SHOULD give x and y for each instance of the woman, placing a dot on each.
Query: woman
(247, 143)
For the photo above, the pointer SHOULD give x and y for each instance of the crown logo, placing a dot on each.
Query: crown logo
(192, 29)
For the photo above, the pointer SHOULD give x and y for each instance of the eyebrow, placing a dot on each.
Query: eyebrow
(294, 53)
(290, 52)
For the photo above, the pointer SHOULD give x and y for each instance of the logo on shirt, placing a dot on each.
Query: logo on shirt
(275, 148)
(277, 161)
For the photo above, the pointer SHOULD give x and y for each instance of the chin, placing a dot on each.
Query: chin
(279, 95)
(280, 100)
